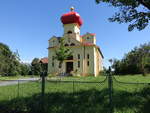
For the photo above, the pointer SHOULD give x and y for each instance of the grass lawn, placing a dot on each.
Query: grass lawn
(77, 78)
(75, 97)
(134, 78)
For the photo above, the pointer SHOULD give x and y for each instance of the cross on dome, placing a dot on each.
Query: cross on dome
(72, 8)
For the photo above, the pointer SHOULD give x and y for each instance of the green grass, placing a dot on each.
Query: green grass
(77, 78)
(134, 78)
(76, 97)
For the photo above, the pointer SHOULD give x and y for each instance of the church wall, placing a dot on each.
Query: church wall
(101, 62)
(97, 62)
(84, 69)
(76, 51)
(99, 66)
(89, 70)
(50, 54)
(53, 64)
(53, 42)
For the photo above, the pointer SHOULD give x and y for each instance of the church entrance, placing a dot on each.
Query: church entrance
(69, 67)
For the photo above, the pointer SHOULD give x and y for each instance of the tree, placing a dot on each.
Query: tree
(25, 69)
(135, 62)
(62, 53)
(135, 12)
(36, 66)
(145, 64)
(9, 61)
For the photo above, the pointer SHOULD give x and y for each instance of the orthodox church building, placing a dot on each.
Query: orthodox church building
(86, 56)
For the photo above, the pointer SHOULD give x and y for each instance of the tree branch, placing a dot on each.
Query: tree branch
(144, 3)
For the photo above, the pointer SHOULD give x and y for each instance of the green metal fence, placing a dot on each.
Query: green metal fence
(68, 96)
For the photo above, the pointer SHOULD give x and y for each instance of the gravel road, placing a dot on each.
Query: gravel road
(12, 82)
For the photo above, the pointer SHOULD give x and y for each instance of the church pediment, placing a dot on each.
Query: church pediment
(54, 41)
(71, 42)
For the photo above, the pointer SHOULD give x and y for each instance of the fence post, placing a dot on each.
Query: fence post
(43, 84)
(18, 88)
(110, 90)
(73, 87)
(43, 75)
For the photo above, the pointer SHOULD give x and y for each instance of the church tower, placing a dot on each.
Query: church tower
(72, 23)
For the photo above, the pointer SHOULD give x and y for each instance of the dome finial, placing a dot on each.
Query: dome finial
(72, 8)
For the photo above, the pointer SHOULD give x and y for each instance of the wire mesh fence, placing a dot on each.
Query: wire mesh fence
(131, 97)
(60, 96)
(109, 95)
(75, 96)
(12, 89)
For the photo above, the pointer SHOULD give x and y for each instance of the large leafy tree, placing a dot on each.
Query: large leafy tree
(62, 53)
(25, 69)
(135, 62)
(135, 12)
(36, 66)
(9, 61)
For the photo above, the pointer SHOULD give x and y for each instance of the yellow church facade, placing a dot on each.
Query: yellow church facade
(86, 56)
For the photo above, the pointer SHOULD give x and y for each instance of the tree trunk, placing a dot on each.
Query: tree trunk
(60, 68)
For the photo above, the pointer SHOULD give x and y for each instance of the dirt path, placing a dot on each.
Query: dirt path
(12, 82)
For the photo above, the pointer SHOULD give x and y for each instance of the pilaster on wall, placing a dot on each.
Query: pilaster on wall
(95, 63)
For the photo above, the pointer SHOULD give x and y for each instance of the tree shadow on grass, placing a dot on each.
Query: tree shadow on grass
(85, 101)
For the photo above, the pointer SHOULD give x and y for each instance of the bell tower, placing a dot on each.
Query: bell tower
(72, 23)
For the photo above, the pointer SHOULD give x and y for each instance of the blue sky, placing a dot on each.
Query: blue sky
(27, 25)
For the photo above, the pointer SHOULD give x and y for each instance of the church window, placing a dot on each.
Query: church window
(59, 41)
(72, 44)
(88, 56)
(78, 56)
(78, 64)
(52, 64)
(69, 32)
(70, 58)
(52, 61)
(88, 63)
(53, 42)
(66, 45)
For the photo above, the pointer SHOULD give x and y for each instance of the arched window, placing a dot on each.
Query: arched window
(53, 61)
(88, 63)
(78, 56)
(69, 32)
(72, 44)
(70, 58)
(78, 64)
(66, 45)
(88, 56)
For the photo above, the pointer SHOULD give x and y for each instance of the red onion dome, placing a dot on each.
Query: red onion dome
(71, 17)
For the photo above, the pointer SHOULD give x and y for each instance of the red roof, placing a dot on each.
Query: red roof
(93, 34)
(88, 44)
(44, 60)
(71, 17)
